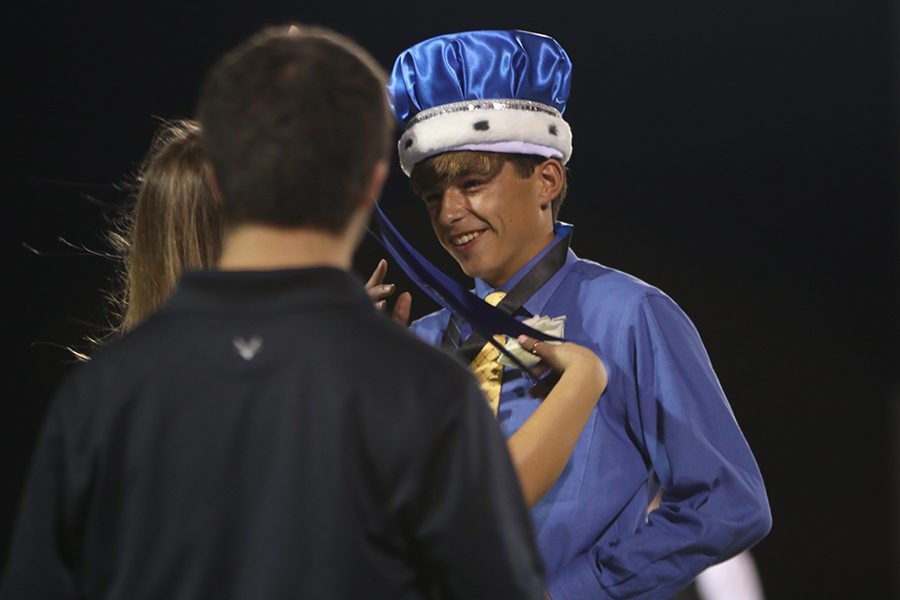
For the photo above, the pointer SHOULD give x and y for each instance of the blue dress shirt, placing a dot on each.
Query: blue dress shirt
(663, 420)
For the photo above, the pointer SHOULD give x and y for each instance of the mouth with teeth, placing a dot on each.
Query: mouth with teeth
(465, 239)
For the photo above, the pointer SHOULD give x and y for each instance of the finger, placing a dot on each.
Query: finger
(402, 308)
(381, 304)
(378, 292)
(530, 344)
(546, 351)
(378, 274)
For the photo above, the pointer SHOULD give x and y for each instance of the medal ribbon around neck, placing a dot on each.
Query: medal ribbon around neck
(485, 319)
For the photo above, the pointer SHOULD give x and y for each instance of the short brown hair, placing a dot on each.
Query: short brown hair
(294, 124)
(440, 171)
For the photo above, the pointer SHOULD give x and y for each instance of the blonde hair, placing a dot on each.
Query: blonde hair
(173, 225)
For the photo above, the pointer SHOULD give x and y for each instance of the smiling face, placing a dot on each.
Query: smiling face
(488, 216)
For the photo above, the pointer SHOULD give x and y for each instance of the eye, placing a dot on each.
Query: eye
(470, 184)
(431, 198)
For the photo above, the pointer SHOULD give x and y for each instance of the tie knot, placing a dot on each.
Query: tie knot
(494, 298)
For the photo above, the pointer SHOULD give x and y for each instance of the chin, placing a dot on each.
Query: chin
(467, 271)
(479, 274)
(470, 270)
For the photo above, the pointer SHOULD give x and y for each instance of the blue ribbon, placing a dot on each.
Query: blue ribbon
(447, 292)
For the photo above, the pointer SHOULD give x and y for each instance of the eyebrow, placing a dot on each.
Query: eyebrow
(468, 174)
(435, 184)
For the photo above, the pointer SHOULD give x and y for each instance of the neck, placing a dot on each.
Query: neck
(540, 245)
(264, 248)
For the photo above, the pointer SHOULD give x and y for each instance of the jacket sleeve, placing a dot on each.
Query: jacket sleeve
(714, 503)
(39, 562)
(471, 525)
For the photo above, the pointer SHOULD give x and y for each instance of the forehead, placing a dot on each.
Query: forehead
(445, 169)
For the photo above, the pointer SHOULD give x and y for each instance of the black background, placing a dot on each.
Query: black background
(742, 156)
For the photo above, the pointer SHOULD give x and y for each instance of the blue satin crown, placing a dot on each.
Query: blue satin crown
(500, 91)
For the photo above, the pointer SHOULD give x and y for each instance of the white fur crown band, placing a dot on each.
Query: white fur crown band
(514, 126)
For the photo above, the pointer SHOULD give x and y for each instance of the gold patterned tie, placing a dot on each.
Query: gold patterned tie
(487, 370)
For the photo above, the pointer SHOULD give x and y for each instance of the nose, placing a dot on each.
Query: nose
(454, 205)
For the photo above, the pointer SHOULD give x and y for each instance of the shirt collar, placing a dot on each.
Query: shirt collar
(535, 305)
(267, 290)
(561, 230)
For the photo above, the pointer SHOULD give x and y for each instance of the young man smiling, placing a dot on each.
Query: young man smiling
(491, 212)
(485, 145)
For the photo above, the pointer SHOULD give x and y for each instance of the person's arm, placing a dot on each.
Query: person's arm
(542, 446)
(471, 528)
(714, 504)
(39, 557)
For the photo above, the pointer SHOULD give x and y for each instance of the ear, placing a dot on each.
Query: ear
(372, 191)
(551, 177)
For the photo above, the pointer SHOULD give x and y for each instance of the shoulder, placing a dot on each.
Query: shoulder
(610, 280)
(431, 327)
(112, 359)
(616, 309)
(87, 388)
(606, 288)
(408, 381)
(421, 362)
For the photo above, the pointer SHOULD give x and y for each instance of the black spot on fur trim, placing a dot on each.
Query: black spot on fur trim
(408, 143)
(553, 130)
(481, 126)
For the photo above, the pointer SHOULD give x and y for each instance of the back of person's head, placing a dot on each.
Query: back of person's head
(174, 224)
(295, 123)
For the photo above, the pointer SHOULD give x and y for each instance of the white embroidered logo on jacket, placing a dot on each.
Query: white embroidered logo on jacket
(248, 348)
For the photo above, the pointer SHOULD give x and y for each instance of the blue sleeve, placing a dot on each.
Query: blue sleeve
(714, 503)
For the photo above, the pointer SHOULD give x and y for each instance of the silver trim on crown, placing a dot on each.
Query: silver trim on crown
(467, 105)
